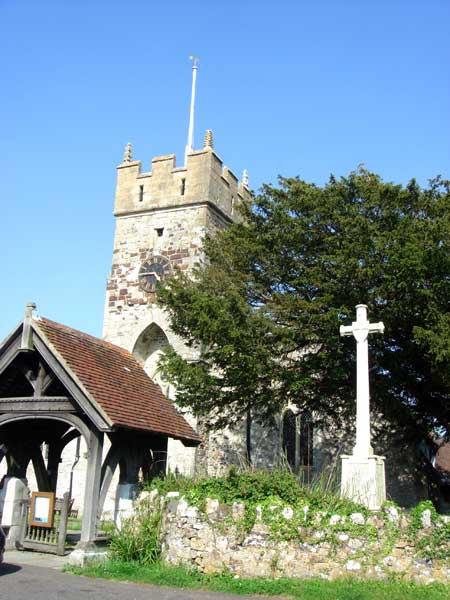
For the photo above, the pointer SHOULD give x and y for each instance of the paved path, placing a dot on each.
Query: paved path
(22, 581)
(35, 559)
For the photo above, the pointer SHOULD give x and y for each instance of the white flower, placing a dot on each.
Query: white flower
(358, 518)
(335, 519)
(288, 513)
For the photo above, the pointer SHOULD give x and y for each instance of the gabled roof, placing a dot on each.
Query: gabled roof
(113, 381)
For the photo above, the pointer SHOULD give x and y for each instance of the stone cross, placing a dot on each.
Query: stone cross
(360, 330)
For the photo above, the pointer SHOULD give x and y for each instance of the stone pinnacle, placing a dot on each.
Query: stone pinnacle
(127, 157)
(208, 141)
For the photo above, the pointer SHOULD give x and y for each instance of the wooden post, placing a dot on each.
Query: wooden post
(92, 487)
(62, 530)
(54, 457)
(109, 466)
(40, 470)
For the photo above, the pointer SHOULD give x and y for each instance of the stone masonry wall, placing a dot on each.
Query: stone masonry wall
(324, 545)
(129, 309)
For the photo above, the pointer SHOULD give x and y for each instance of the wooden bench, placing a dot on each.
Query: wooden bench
(72, 512)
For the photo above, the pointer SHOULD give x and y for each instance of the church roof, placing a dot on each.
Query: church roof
(112, 378)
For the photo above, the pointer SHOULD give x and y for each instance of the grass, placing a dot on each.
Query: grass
(74, 524)
(305, 589)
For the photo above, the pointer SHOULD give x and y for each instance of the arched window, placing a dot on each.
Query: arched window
(289, 438)
(305, 453)
(297, 442)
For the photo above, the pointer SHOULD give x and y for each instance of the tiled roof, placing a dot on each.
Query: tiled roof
(115, 381)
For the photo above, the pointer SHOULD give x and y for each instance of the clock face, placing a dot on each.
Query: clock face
(153, 270)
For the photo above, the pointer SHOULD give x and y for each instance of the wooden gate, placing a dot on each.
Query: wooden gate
(48, 539)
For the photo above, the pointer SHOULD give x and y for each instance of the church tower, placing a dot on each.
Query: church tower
(162, 217)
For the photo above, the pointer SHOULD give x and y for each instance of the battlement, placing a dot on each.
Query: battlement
(204, 179)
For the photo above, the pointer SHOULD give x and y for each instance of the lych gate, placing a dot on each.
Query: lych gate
(56, 384)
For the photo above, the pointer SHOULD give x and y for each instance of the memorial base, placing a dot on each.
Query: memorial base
(363, 480)
(86, 553)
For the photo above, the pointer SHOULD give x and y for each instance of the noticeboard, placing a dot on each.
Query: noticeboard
(41, 509)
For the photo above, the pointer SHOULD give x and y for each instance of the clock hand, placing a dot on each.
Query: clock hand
(155, 273)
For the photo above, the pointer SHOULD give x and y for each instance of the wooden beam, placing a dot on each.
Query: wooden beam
(68, 437)
(35, 399)
(47, 380)
(68, 418)
(29, 376)
(39, 380)
(108, 468)
(9, 355)
(40, 471)
(43, 380)
(55, 450)
(32, 404)
(93, 411)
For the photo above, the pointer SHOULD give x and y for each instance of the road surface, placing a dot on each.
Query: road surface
(28, 582)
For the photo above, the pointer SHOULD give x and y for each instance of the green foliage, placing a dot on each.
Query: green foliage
(436, 544)
(273, 492)
(416, 517)
(107, 527)
(73, 523)
(310, 589)
(433, 543)
(283, 281)
(390, 504)
(255, 487)
(138, 540)
(293, 511)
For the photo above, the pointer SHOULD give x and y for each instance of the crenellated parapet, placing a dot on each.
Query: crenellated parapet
(203, 180)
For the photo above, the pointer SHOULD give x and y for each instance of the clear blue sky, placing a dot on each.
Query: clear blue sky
(294, 87)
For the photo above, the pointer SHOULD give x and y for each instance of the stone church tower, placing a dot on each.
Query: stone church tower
(162, 217)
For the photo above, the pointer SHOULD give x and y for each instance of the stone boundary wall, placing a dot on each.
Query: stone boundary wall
(324, 545)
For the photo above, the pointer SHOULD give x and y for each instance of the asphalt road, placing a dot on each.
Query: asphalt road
(26, 582)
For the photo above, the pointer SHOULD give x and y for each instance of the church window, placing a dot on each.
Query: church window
(183, 186)
(306, 440)
(289, 437)
(297, 442)
(141, 193)
(159, 231)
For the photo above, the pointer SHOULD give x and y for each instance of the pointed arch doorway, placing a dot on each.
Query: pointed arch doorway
(148, 348)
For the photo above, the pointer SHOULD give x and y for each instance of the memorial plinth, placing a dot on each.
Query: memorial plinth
(363, 480)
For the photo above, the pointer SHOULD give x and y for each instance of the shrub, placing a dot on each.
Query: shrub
(138, 540)
(254, 487)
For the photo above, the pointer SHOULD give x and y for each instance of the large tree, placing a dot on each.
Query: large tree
(264, 309)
